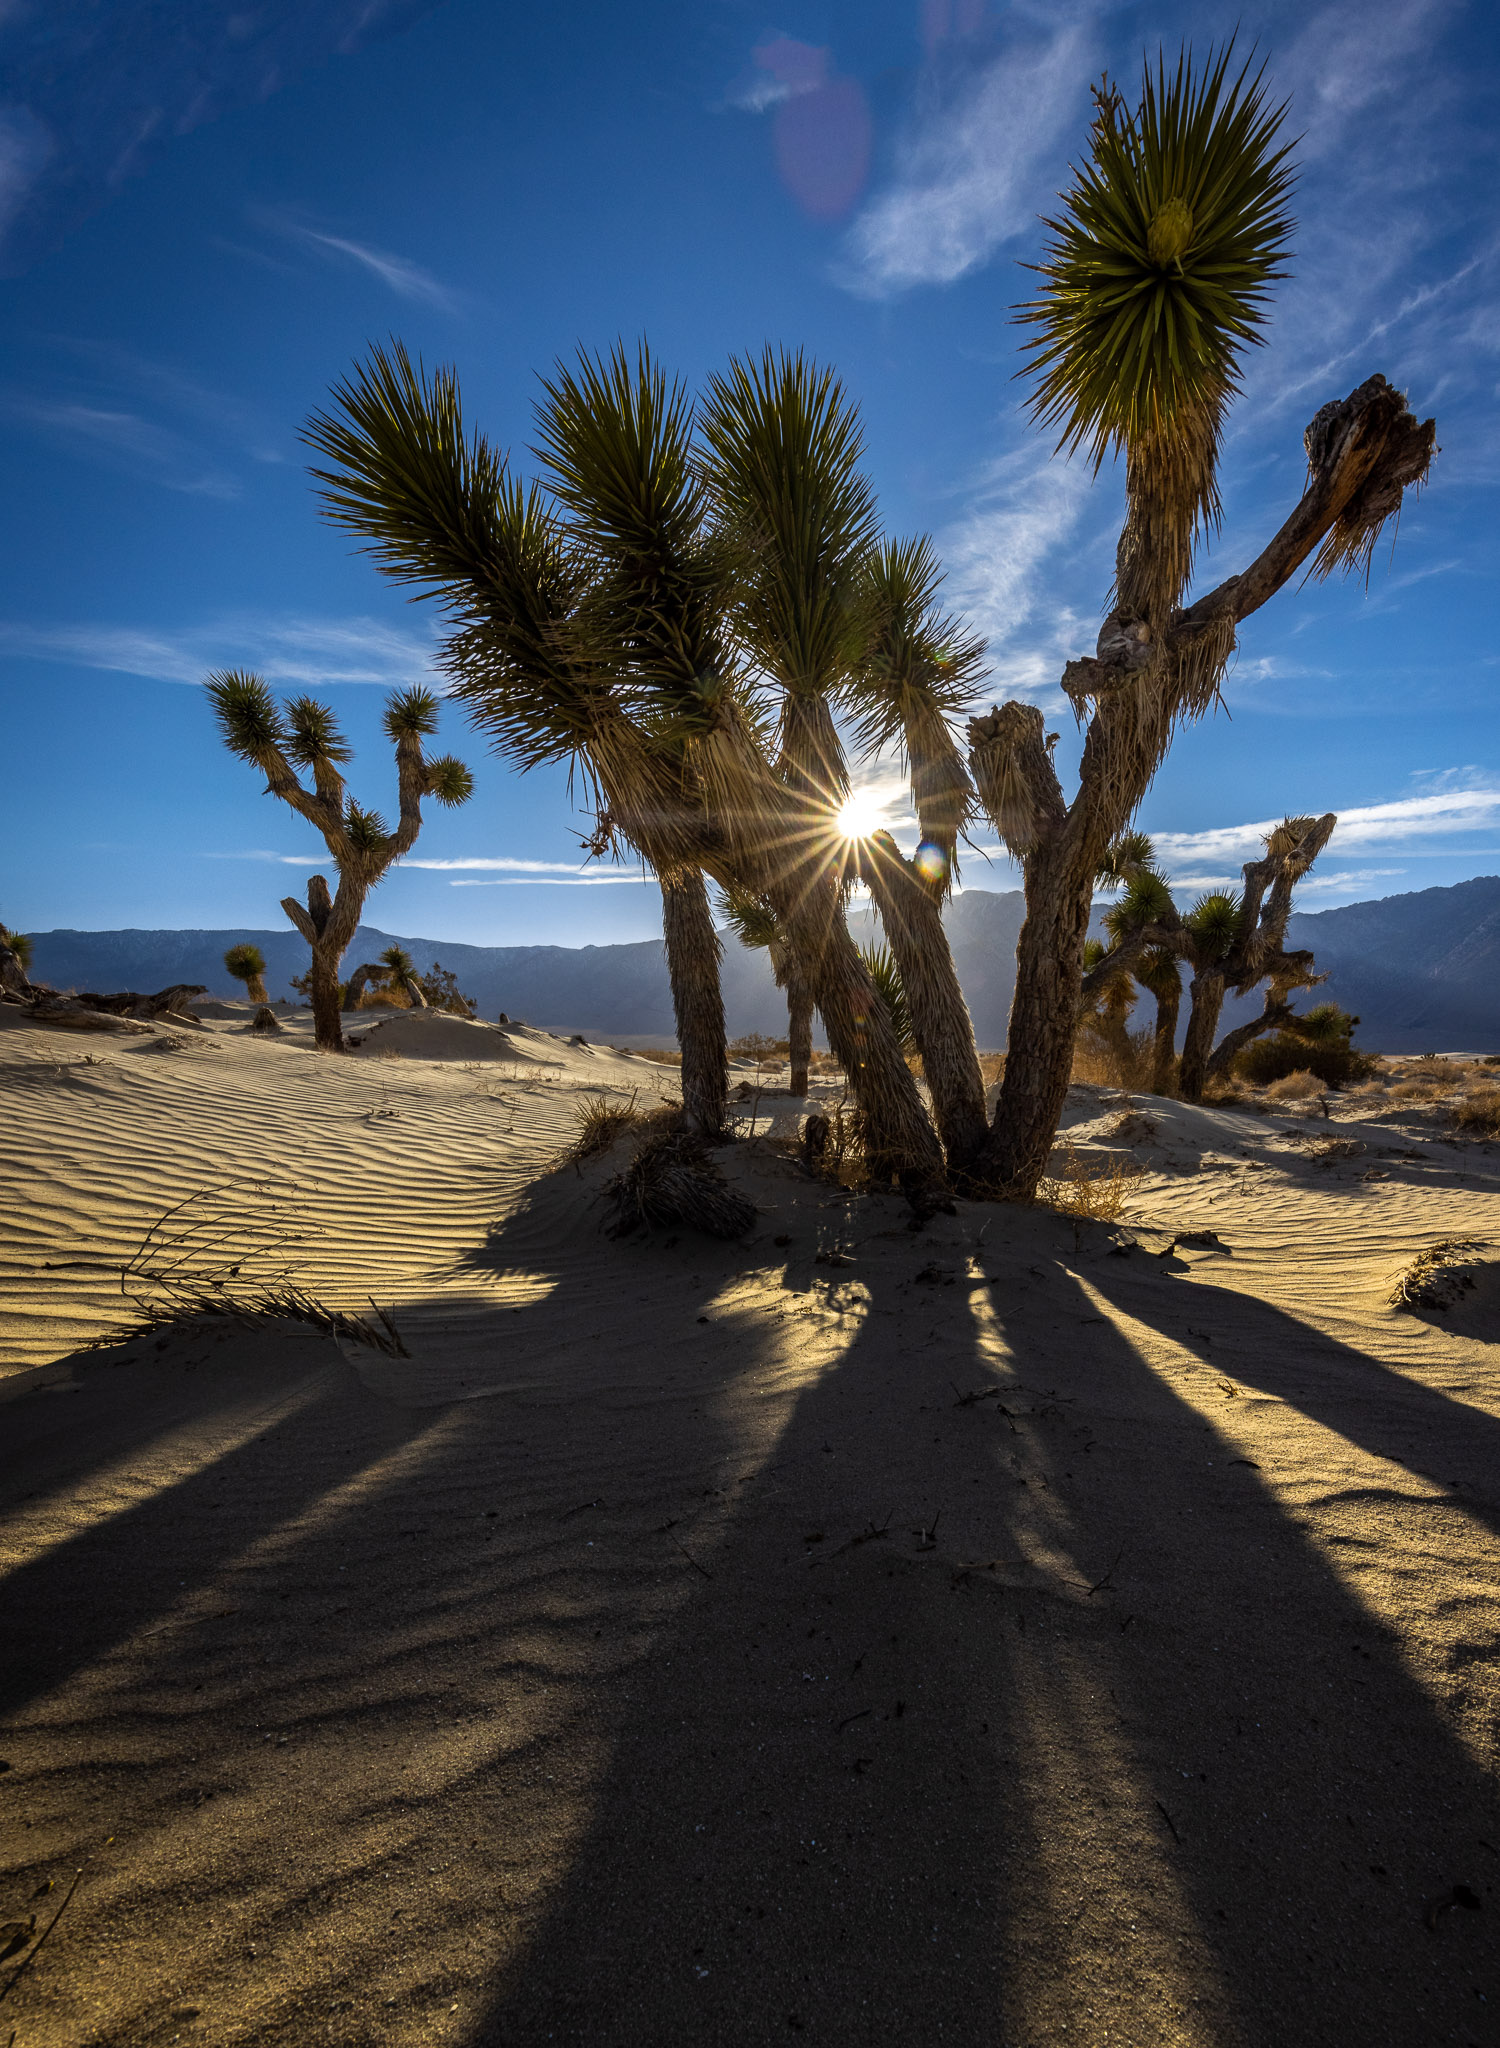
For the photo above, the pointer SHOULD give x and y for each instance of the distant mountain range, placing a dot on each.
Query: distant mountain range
(1422, 972)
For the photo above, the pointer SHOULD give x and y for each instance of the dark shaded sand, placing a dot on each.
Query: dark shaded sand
(730, 1681)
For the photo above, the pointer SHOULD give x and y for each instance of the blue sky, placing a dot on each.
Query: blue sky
(207, 210)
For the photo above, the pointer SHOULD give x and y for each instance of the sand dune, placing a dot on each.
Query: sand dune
(1008, 1632)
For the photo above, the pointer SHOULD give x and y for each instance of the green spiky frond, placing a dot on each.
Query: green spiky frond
(783, 448)
(248, 715)
(890, 992)
(1159, 971)
(313, 739)
(439, 507)
(751, 919)
(1132, 851)
(245, 962)
(449, 780)
(1146, 899)
(1213, 924)
(411, 714)
(1325, 1024)
(398, 961)
(917, 670)
(616, 445)
(1159, 271)
(19, 944)
(1156, 279)
(366, 830)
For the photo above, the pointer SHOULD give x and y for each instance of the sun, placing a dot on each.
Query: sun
(859, 816)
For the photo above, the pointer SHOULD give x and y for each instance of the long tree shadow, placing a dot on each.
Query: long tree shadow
(1009, 1727)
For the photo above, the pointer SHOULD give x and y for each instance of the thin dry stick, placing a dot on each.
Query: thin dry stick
(29, 1960)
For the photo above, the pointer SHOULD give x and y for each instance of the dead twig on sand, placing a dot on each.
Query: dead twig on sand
(1108, 1576)
(869, 1534)
(27, 1961)
(689, 1556)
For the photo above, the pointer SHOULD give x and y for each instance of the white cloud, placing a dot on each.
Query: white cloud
(407, 279)
(1366, 825)
(967, 175)
(289, 651)
(1023, 510)
(127, 441)
(551, 881)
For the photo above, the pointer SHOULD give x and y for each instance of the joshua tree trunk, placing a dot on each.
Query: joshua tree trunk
(940, 1019)
(1207, 1000)
(255, 988)
(328, 926)
(1043, 1019)
(799, 1017)
(1164, 1045)
(693, 954)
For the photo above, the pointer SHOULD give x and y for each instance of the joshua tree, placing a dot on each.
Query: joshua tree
(303, 734)
(1104, 1021)
(612, 629)
(755, 924)
(1156, 278)
(1230, 942)
(916, 669)
(248, 964)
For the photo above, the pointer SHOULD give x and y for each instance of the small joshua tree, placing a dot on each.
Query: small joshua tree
(248, 964)
(303, 734)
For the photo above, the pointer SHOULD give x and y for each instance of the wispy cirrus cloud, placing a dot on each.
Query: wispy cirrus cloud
(97, 89)
(291, 651)
(968, 172)
(124, 440)
(404, 277)
(544, 874)
(1443, 811)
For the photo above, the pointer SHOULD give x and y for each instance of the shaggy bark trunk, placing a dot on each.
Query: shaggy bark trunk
(1271, 1018)
(940, 1018)
(1164, 1046)
(328, 1031)
(799, 1016)
(1043, 1021)
(697, 1001)
(1207, 994)
(255, 989)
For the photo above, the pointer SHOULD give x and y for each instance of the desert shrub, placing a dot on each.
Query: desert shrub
(762, 1051)
(1323, 1045)
(1098, 1196)
(992, 1068)
(1300, 1086)
(1437, 1278)
(672, 1179)
(1478, 1113)
(600, 1122)
(1220, 1093)
(654, 1053)
(440, 986)
(1102, 1060)
(1419, 1091)
(381, 999)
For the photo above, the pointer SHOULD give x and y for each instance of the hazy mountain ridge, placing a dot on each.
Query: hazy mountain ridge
(1422, 971)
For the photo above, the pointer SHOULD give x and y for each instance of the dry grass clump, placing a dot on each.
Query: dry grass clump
(1478, 1113)
(831, 1147)
(600, 1123)
(1298, 1087)
(1098, 1196)
(673, 1179)
(382, 999)
(992, 1068)
(1438, 1277)
(656, 1054)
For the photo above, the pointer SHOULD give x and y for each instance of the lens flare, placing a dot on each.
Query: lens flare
(931, 861)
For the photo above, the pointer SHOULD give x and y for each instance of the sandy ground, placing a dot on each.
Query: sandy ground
(1008, 1632)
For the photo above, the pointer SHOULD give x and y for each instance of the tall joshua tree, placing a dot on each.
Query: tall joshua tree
(1156, 278)
(248, 964)
(916, 669)
(303, 734)
(756, 925)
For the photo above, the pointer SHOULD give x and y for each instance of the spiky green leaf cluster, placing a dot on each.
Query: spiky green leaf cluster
(751, 919)
(398, 961)
(890, 992)
(248, 715)
(913, 658)
(449, 780)
(19, 944)
(245, 962)
(313, 739)
(783, 444)
(1213, 923)
(616, 443)
(1159, 269)
(366, 829)
(1146, 899)
(411, 714)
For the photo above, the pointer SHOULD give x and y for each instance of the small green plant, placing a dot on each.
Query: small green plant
(248, 964)
(19, 944)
